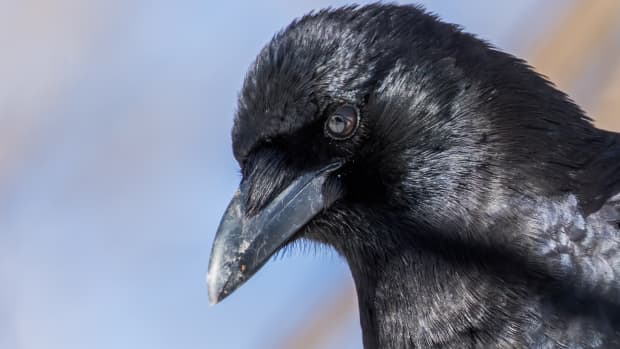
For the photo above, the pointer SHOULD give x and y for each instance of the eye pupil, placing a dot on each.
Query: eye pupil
(343, 123)
(337, 124)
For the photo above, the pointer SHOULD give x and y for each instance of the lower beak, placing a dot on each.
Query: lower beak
(244, 244)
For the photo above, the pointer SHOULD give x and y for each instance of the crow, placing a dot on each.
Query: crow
(475, 204)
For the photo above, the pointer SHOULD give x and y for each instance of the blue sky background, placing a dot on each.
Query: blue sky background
(116, 164)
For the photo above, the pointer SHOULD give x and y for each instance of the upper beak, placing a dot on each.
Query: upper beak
(244, 244)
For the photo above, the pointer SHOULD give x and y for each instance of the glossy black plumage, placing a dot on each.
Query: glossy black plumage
(476, 205)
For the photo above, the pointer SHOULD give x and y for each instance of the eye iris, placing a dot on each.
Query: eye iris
(342, 123)
(337, 124)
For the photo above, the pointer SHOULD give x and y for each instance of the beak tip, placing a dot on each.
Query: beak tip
(216, 297)
(220, 285)
(214, 288)
(213, 300)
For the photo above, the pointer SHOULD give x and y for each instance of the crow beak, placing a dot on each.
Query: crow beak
(244, 244)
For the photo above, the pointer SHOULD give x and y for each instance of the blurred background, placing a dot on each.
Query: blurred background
(116, 165)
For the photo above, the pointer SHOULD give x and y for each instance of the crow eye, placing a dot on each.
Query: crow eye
(343, 123)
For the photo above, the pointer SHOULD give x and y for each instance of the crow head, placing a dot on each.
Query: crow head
(367, 127)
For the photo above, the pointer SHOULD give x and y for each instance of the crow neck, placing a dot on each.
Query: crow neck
(413, 298)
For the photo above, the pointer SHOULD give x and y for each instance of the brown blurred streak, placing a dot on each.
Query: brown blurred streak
(585, 31)
(564, 53)
(326, 322)
(607, 111)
